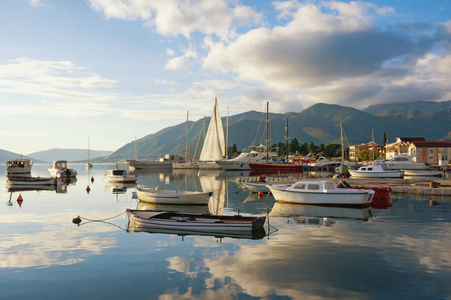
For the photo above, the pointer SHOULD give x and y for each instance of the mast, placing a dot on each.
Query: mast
(342, 145)
(89, 157)
(227, 135)
(286, 139)
(186, 149)
(372, 141)
(267, 132)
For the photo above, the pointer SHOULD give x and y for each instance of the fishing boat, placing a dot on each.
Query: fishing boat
(32, 181)
(161, 196)
(19, 167)
(59, 169)
(319, 192)
(194, 222)
(120, 176)
(377, 169)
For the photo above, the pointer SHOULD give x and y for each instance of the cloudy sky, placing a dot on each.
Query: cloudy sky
(110, 69)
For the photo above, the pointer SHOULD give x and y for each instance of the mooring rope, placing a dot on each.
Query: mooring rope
(79, 218)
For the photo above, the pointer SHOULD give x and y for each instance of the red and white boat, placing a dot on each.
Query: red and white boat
(381, 199)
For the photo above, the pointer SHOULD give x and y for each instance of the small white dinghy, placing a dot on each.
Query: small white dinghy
(161, 196)
(318, 192)
(194, 222)
(30, 181)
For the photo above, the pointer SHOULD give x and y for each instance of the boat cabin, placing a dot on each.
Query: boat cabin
(60, 164)
(18, 166)
(118, 172)
(176, 158)
(313, 186)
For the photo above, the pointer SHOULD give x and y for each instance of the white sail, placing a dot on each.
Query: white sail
(214, 144)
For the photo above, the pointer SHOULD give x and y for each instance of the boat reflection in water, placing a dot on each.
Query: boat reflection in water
(118, 187)
(134, 226)
(303, 210)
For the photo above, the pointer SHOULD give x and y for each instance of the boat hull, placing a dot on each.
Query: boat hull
(143, 165)
(255, 166)
(422, 173)
(255, 187)
(386, 174)
(209, 165)
(30, 181)
(361, 198)
(195, 222)
(233, 165)
(159, 196)
(121, 179)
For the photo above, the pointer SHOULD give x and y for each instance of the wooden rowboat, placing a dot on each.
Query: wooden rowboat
(194, 222)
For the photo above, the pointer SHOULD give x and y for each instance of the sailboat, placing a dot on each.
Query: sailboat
(214, 144)
(88, 164)
(270, 164)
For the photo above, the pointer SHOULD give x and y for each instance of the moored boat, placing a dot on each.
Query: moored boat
(242, 161)
(32, 181)
(161, 196)
(19, 167)
(404, 162)
(59, 170)
(376, 170)
(195, 222)
(319, 192)
(118, 175)
(382, 196)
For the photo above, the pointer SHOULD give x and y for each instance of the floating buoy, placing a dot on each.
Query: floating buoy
(20, 200)
(260, 195)
(92, 179)
(88, 189)
(76, 220)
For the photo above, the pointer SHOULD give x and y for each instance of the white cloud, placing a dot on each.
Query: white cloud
(183, 61)
(174, 17)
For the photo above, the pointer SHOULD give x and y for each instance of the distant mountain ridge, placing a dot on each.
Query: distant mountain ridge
(318, 124)
(419, 106)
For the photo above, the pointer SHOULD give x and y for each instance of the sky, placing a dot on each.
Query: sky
(110, 70)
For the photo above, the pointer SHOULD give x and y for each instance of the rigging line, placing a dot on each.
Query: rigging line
(181, 134)
(102, 222)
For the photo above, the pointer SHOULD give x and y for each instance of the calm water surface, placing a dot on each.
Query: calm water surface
(396, 253)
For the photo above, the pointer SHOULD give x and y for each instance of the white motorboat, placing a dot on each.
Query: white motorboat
(194, 222)
(120, 176)
(59, 170)
(162, 163)
(30, 181)
(376, 170)
(241, 162)
(161, 196)
(404, 162)
(321, 192)
(19, 167)
(323, 162)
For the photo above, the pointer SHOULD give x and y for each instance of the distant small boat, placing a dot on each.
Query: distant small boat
(376, 170)
(30, 181)
(59, 170)
(319, 192)
(120, 176)
(195, 222)
(179, 197)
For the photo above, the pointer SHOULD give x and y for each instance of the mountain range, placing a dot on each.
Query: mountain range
(319, 124)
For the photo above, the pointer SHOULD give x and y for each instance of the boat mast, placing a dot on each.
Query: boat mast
(227, 134)
(267, 132)
(89, 157)
(372, 140)
(186, 149)
(286, 139)
(342, 145)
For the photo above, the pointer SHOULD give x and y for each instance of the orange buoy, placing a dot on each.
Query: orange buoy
(88, 189)
(92, 179)
(20, 200)
(260, 195)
